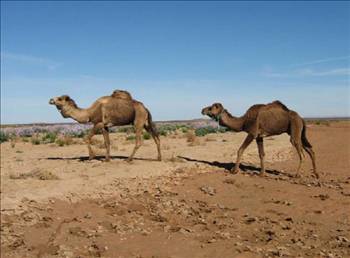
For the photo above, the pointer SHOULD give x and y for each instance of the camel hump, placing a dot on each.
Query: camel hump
(280, 104)
(121, 94)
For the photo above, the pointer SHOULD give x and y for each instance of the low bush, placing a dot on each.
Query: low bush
(64, 140)
(146, 136)
(4, 137)
(35, 140)
(202, 131)
(130, 137)
(126, 129)
(49, 137)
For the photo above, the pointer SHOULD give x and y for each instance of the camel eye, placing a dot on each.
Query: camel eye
(59, 99)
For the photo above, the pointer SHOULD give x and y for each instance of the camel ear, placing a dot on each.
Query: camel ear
(66, 98)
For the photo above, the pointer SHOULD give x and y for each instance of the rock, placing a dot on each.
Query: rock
(250, 220)
(289, 219)
(345, 193)
(184, 231)
(77, 231)
(213, 240)
(283, 251)
(88, 215)
(17, 243)
(342, 239)
(322, 196)
(230, 181)
(208, 190)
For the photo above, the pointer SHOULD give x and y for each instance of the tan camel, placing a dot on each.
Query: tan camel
(261, 121)
(107, 111)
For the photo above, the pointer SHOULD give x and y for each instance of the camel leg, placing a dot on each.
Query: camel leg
(155, 137)
(92, 132)
(260, 143)
(295, 139)
(157, 141)
(297, 145)
(107, 142)
(88, 141)
(241, 149)
(138, 132)
(313, 159)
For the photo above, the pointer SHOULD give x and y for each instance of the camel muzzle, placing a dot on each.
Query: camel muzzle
(51, 102)
(205, 111)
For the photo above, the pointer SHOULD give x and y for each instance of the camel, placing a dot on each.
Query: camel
(262, 120)
(115, 110)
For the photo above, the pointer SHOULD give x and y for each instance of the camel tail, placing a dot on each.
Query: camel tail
(150, 125)
(304, 140)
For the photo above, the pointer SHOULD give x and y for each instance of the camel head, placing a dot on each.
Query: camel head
(214, 111)
(62, 102)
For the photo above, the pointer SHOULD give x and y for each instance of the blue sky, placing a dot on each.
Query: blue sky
(176, 57)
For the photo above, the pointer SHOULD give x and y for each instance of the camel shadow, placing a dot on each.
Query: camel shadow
(99, 157)
(230, 165)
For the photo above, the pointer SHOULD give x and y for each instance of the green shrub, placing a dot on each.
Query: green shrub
(49, 137)
(208, 129)
(163, 132)
(184, 129)
(4, 137)
(25, 139)
(130, 138)
(146, 136)
(79, 134)
(204, 131)
(222, 129)
(126, 129)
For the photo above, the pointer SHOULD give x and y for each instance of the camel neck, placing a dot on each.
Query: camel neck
(78, 114)
(234, 123)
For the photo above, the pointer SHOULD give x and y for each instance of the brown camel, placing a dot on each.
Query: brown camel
(261, 121)
(115, 110)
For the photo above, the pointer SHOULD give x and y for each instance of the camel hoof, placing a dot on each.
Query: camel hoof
(234, 171)
(297, 176)
(262, 174)
(129, 160)
(159, 158)
(91, 157)
(107, 160)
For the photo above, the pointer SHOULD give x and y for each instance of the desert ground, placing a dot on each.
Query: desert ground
(57, 203)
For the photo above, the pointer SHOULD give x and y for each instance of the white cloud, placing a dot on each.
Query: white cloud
(344, 71)
(331, 72)
(33, 60)
(320, 61)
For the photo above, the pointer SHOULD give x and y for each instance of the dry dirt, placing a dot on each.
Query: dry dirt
(56, 203)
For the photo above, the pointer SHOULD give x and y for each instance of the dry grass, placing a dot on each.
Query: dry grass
(192, 139)
(64, 140)
(210, 138)
(37, 173)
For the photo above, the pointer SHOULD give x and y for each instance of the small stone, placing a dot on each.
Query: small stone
(342, 239)
(88, 215)
(250, 220)
(208, 190)
(213, 240)
(289, 219)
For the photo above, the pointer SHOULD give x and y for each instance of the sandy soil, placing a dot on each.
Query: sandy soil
(188, 205)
